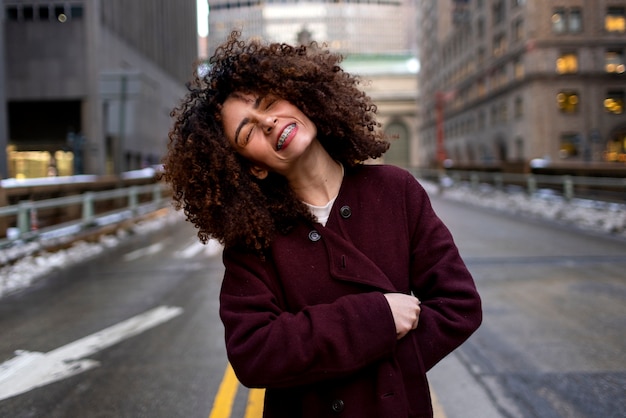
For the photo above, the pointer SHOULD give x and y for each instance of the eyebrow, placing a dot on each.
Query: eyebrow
(244, 121)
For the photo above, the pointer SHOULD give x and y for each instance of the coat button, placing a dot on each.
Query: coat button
(345, 212)
(314, 236)
(337, 405)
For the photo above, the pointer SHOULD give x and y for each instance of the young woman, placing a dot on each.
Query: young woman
(342, 288)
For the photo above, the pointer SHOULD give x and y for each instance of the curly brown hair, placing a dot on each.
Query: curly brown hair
(213, 184)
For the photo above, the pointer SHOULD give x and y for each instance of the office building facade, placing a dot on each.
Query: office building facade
(90, 83)
(507, 83)
(348, 26)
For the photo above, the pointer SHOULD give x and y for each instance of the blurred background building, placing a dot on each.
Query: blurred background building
(376, 37)
(506, 82)
(502, 84)
(89, 84)
(348, 26)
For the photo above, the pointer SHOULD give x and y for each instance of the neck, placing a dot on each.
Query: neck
(318, 180)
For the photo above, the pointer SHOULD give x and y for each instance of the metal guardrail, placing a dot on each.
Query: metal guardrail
(26, 211)
(601, 188)
(568, 186)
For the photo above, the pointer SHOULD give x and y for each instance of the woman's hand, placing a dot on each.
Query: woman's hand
(405, 310)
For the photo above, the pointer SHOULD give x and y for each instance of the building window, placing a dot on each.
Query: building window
(575, 20)
(480, 29)
(518, 30)
(614, 102)
(567, 20)
(399, 152)
(28, 12)
(499, 45)
(567, 63)
(481, 56)
(519, 107)
(482, 88)
(558, 20)
(518, 69)
(12, 13)
(614, 61)
(615, 20)
(569, 145)
(44, 13)
(499, 10)
(567, 101)
(76, 11)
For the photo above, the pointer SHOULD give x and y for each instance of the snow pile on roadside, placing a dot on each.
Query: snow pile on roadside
(34, 262)
(597, 216)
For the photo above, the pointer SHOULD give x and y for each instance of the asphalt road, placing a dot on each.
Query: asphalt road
(135, 333)
(553, 339)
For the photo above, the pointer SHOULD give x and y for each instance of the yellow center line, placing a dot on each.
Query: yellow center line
(254, 409)
(223, 404)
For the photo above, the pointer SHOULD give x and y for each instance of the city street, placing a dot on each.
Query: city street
(135, 332)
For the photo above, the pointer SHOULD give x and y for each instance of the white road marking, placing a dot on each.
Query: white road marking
(211, 249)
(152, 249)
(29, 370)
(191, 250)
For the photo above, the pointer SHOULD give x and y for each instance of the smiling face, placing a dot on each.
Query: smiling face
(268, 131)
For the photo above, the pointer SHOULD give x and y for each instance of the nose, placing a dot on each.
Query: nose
(267, 123)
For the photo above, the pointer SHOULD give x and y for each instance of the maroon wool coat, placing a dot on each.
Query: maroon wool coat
(310, 322)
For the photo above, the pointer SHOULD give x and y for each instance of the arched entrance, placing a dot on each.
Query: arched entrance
(399, 152)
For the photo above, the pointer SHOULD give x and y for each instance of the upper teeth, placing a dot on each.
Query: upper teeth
(284, 135)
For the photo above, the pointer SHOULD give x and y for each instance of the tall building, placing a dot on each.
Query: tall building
(90, 83)
(349, 26)
(507, 82)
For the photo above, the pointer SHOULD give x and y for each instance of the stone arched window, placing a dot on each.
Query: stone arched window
(399, 152)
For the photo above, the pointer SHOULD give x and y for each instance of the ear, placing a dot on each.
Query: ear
(259, 172)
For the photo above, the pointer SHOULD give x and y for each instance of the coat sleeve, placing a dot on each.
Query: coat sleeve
(451, 307)
(271, 347)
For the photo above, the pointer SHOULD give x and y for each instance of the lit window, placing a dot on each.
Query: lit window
(615, 20)
(614, 61)
(518, 69)
(558, 21)
(567, 101)
(482, 88)
(569, 145)
(614, 102)
(567, 63)
(499, 45)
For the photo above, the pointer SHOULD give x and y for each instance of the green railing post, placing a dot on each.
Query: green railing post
(23, 216)
(498, 181)
(88, 208)
(133, 199)
(568, 187)
(474, 179)
(531, 184)
(156, 194)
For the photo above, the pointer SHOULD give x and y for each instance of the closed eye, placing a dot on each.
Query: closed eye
(247, 137)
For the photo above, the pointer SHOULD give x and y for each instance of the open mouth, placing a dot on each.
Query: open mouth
(284, 136)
